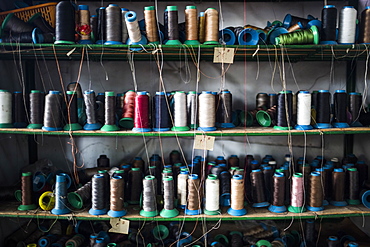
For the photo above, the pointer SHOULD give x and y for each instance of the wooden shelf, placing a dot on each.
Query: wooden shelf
(10, 210)
(238, 131)
(292, 53)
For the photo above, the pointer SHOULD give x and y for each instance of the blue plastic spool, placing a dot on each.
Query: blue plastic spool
(227, 36)
(206, 129)
(303, 127)
(185, 238)
(97, 211)
(52, 128)
(37, 36)
(237, 212)
(161, 129)
(275, 208)
(197, 211)
(141, 129)
(130, 16)
(248, 36)
(365, 198)
(112, 42)
(60, 196)
(120, 213)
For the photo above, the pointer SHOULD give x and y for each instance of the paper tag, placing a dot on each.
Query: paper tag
(223, 55)
(36, 180)
(119, 225)
(204, 142)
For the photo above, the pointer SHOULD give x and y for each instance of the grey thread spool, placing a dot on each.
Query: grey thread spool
(165, 173)
(53, 111)
(149, 202)
(169, 209)
(124, 26)
(226, 108)
(98, 191)
(36, 109)
(192, 109)
(113, 22)
(90, 104)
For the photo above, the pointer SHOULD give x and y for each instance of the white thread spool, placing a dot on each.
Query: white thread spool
(5, 109)
(192, 108)
(133, 30)
(180, 118)
(124, 26)
(304, 110)
(182, 188)
(347, 25)
(207, 111)
(212, 206)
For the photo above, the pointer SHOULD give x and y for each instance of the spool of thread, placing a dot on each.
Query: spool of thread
(329, 25)
(237, 196)
(268, 174)
(169, 211)
(127, 119)
(182, 188)
(225, 106)
(248, 36)
(225, 185)
(191, 26)
(277, 205)
(207, 111)
(227, 36)
(161, 114)
(149, 200)
(84, 28)
(364, 26)
(36, 109)
(212, 197)
(5, 109)
(173, 28)
(151, 25)
(353, 186)
(98, 191)
(109, 122)
(211, 27)
(180, 116)
(94, 27)
(201, 27)
(306, 36)
(101, 27)
(304, 111)
(347, 25)
(81, 196)
(64, 23)
(13, 24)
(141, 119)
(38, 21)
(193, 206)
(135, 37)
(135, 185)
(53, 112)
(192, 109)
(91, 118)
(113, 22)
(340, 109)
(72, 112)
(324, 183)
(297, 198)
(284, 113)
(19, 112)
(258, 193)
(117, 197)
(26, 192)
(323, 110)
(355, 102)
(76, 241)
(290, 20)
(276, 32)
(60, 196)
(315, 202)
(295, 27)
(47, 201)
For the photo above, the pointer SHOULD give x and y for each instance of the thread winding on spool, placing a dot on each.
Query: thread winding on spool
(113, 22)
(182, 188)
(84, 28)
(5, 109)
(307, 36)
(117, 197)
(340, 109)
(201, 27)
(303, 111)
(338, 188)
(60, 196)
(26, 192)
(161, 114)
(141, 119)
(81, 196)
(193, 206)
(149, 200)
(101, 32)
(134, 34)
(237, 196)
(347, 25)
(191, 26)
(277, 205)
(323, 110)
(91, 118)
(207, 111)
(329, 25)
(168, 211)
(284, 113)
(151, 25)
(36, 109)
(72, 112)
(179, 112)
(53, 113)
(315, 197)
(225, 112)
(98, 192)
(211, 27)
(259, 197)
(109, 122)
(297, 196)
(173, 28)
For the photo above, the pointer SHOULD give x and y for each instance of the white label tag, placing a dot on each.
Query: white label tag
(119, 225)
(223, 55)
(204, 142)
(36, 180)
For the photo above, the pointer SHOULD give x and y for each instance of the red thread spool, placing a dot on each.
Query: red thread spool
(127, 120)
(141, 121)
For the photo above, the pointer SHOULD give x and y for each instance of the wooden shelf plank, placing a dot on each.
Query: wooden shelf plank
(10, 210)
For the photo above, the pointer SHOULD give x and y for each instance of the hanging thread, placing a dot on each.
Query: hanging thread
(211, 27)
(225, 104)
(179, 112)
(315, 196)
(117, 197)
(141, 120)
(64, 23)
(98, 191)
(36, 109)
(90, 104)
(191, 25)
(127, 119)
(340, 109)
(237, 196)
(193, 206)
(81, 196)
(303, 111)
(173, 27)
(323, 110)
(161, 114)
(19, 111)
(149, 200)
(207, 111)
(151, 25)
(72, 112)
(109, 121)
(284, 113)
(329, 25)
(113, 22)
(53, 112)
(347, 25)
(169, 210)
(258, 193)
(60, 196)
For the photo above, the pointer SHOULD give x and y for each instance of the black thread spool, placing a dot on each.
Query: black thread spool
(262, 101)
(354, 186)
(314, 99)
(91, 111)
(340, 109)
(53, 111)
(65, 23)
(161, 113)
(258, 192)
(175, 157)
(225, 188)
(278, 198)
(81, 196)
(101, 30)
(149, 200)
(328, 33)
(268, 174)
(106, 186)
(365, 26)
(113, 22)
(173, 26)
(233, 161)
(24, 37)
(36, 109)
(139, 163)
(19, 111)
(135, 185)
(167, 172)
(338, 188)
(333, 241)
(226, 107)
(38, 21)
(110, 120)
(284, 113)
(355, 102)
(13, 24)
(169, 210)
(98, 196)
(310, 232)
(323, 110)
(72, 112)
(103, 161)
(272, 100)
(236, 239)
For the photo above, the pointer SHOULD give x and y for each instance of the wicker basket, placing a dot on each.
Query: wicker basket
(47, 11)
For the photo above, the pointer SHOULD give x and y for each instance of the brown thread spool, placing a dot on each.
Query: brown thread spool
(279, 189)
(237, 196)
(255, 28)
(338, 187)
(194, 195)
(175, 157)
(127, 120)
(295, 27)
(191, 25)
(258, 193)
(354, 186)
(365, 26)
(76, 241)
(138, 163)
(233, 161)
(84, 28)
(173, 26)
(117, 185)
(211, 27)
(27, 192)
(316, 197)
(201, 27)
(151, 25)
